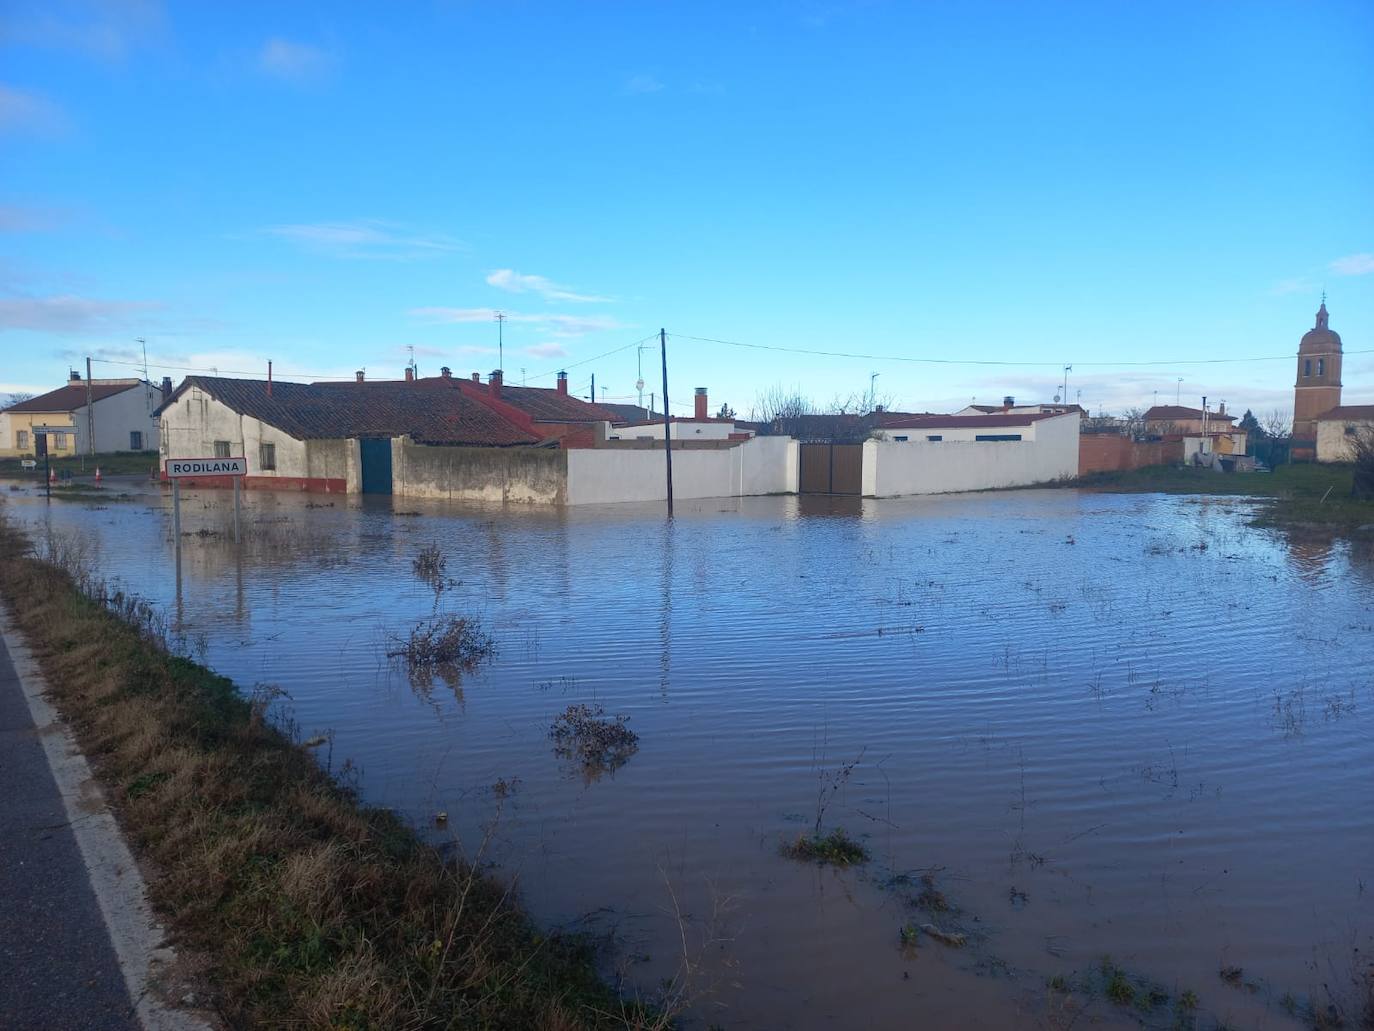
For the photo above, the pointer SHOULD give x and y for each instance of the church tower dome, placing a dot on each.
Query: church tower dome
(1318, 385)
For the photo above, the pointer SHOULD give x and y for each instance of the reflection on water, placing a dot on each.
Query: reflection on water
(1098, 724)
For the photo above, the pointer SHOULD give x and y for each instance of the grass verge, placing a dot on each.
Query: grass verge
(1304, 495)
(111, 463)
(312, 909)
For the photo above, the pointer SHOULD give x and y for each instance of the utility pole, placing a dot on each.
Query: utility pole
(872, 393)
(90, 409)
(1178, 392)
(1067, 370)
(667, 423)
(501, 340)
(593, 388)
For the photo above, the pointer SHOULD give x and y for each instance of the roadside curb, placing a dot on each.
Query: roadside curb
(120, 891)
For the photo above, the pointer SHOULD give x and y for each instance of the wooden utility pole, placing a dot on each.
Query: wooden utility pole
(667, 422)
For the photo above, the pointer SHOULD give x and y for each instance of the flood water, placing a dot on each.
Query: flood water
(1123, 725)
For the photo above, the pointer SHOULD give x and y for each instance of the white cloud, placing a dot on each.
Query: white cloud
(69, 314)
(546, 351)
(641, 84)
(295, 62)
(519, 283)
(365, 238)
(26, 111)
(1353, 265)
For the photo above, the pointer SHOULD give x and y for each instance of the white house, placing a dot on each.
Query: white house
(1338, 427)
(120, 411)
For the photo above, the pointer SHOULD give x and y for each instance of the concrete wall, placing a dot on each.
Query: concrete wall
(919, 467)
(520, 475)
(1333, 443)
(762, 465)
(956, 433)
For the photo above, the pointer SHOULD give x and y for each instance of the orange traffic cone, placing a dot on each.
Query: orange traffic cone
(97, 474)
(52, 475)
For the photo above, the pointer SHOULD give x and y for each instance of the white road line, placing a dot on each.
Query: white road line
(119, 888)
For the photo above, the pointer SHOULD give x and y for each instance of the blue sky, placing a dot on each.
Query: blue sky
(329, 185)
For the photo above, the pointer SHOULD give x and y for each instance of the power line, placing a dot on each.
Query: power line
(1057, 365)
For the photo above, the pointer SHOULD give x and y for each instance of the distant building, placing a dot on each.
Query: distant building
(1318, 385)
(120, 411)
(1337, 429)
(1010, 407)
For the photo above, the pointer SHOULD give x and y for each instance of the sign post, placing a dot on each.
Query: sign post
(179, 469)
(40, 444)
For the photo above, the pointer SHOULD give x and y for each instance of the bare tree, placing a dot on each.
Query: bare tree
(18, 397)
(1362, 451)
(1278, 424)
(782, 410)
(1134, 419)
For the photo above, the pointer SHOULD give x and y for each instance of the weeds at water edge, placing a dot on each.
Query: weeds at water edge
(836, 848)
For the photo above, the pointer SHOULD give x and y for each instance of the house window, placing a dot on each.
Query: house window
(902, 439)
(1321, 366)
(1307, 367)
(267, 456)
(59, 441)
(1349, 429)
(221, 449)
(21, 439)
(935, 437)
(135, 440)
(998, 436)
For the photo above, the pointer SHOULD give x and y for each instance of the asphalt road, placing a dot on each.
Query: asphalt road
(57, 967)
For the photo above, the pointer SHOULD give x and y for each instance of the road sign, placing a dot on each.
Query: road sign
(180, 468)
(28, 463)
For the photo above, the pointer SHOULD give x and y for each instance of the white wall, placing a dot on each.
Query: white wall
(1333, 444)
(893, 469)
(761, 465)
(196, 420)
(117, 416)
(957, 433)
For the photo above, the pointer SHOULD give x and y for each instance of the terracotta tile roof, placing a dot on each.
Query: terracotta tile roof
(432, 410)
(71, 397)
(1353, 413)
(1162, 413)
(544, 404)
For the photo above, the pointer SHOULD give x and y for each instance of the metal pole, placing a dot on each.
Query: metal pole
(90, 411)
(667, 424)
(176, 523)
(47, 468)
(236, 508)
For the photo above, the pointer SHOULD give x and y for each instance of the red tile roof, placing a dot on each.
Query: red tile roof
(1162, 413)
(431, 410)
(1353, 413)
(71, 397)
(544, 404)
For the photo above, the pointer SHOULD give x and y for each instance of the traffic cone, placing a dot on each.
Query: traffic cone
(52, 475)
(97, 474)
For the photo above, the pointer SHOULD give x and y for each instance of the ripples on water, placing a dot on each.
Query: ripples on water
(1118, 724)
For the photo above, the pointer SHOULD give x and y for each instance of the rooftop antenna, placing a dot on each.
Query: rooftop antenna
(413, 370)
(639, 382)
(1178, 391)
(147, 395)
(522, 375)
(500, 340)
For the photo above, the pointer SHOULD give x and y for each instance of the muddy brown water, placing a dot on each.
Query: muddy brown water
(1122, 725)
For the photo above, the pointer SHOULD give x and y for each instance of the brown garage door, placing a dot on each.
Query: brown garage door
(831, 469)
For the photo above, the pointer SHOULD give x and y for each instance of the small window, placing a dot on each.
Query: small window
(1349, 429)
(935, 437)
(267, 456)
(1321, 366)
(221, 449)
(998, 436)
(21, 439)
(1307, 367)
(901, 439)
(59, 441)
(135, 440)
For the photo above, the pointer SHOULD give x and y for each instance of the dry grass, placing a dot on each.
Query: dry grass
(313, 910)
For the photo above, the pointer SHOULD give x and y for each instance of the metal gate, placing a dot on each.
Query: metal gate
(831, 469)
(375, 455)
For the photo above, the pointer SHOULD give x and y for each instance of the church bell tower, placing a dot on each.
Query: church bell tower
(1318, 386)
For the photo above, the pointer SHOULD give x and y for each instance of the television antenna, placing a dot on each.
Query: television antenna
(501, 340)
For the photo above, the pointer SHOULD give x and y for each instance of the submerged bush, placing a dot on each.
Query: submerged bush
(836, 848)
(586, 735)
(430, 563)
(445, 641)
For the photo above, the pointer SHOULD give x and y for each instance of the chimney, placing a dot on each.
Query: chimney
(701, 403)
(494, 383)
(1221, 408)
(359, 375)
(76, 376)
(563, 383)
(410, 374)
(269, 377)
(445, 371)
(166, 387)
(477, 377)
(1008, 402)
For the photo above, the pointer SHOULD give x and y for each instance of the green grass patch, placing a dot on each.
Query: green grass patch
(836, 848)
(111, 463)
